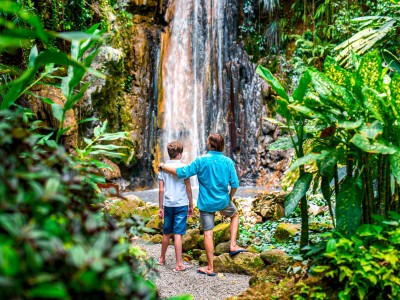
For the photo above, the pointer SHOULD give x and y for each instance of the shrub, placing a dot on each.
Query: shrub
(55, 242)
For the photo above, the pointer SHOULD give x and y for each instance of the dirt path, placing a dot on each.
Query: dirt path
(202, 287)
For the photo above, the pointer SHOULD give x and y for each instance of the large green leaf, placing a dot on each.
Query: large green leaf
(336, 73)
(349, 205)
(267, 75)
(395, 164)
(308, 112)
(308, 159)
(331, 93)
(282, 143)
(371, 130)
(300, 188)
(371, 146)
(376, 104)
(326, 164)
(349, 124)
(370, 71)
(302, 88)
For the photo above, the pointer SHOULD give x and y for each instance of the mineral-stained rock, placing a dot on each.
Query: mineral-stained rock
(285, 231)
(190, 240)
(270, 206)
(242, 263)
(274, 256)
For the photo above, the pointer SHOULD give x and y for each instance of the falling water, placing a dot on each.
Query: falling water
(192, 74)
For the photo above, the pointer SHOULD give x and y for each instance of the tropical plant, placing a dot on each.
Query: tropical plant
(351, 122)
(55, 240)
(365, 266)
(379, 27)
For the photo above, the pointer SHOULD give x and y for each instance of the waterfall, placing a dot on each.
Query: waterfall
(192, 74)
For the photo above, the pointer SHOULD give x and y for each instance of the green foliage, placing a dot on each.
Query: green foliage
(55, 242)
(365, 266)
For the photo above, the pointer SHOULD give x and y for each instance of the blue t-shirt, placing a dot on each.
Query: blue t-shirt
(215, 172)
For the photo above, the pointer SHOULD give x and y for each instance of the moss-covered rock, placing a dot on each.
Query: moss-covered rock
(222, 248)
(203, 259)
(190, 240)
(242, 263)
(123, 207)
(320, 227)
(146, 212)
(196, 253)
(155, 223)
(221, 233)
(274, 256)
(285, 231)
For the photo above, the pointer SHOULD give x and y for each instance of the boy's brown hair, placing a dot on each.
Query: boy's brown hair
(215, 142)
(174, 148)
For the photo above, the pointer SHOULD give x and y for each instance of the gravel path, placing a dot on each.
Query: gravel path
(202, 287)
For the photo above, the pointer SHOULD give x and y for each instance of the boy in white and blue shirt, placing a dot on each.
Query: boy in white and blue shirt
(175, 205)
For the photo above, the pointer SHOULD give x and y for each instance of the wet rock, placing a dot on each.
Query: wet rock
(123, 207)
(242, 263)
(190, 240)
(285, 231)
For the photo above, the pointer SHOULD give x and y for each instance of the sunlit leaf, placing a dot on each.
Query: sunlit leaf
(267, 75)
(300, 188)
(371, 146)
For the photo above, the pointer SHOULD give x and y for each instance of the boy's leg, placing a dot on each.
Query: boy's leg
(180, 220)
(167, 231)
(178, 251)
(164, 246)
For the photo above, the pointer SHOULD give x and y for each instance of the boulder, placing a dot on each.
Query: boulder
(222, 248)
(190, 240)
(110, 174)
(146, 212)
(221, 233)
(242, 263)
(187, 257)
(156, 239)
(123, 207)
(196, 253)
(203, 259)
(155, 223)
(285, 231)
(270, 206)
(274, 256)
(200, 243)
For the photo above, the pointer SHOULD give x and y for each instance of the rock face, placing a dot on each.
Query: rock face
(270, 206)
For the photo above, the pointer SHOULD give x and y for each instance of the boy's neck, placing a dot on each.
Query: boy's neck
(174, 159)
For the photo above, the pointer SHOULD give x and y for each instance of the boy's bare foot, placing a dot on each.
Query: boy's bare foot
(161, 261)
(180, 268)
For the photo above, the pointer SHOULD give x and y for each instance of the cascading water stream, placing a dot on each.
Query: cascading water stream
(192, 74)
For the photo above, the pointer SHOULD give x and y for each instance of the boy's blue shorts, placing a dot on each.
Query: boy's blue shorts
(175, 219)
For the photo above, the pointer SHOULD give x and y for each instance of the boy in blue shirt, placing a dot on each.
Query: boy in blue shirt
(215, 173)
(175, 205)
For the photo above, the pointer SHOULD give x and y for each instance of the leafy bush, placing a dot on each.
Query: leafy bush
(365, 266)
(55, 242)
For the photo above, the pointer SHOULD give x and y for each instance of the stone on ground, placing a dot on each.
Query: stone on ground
(285, 231)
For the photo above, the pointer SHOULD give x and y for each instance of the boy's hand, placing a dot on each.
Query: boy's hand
(161, 213)
(190, 212)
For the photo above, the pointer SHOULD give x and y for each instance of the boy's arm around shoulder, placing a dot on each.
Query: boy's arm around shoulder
(189, 194)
